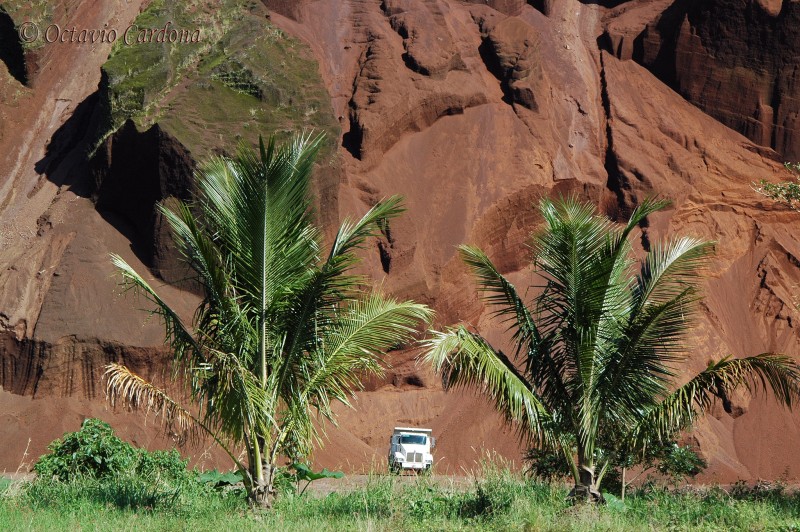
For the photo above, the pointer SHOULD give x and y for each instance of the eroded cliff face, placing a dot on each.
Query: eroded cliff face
(736, 60)
(471, 110)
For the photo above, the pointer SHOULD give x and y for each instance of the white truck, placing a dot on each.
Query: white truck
(410, 448)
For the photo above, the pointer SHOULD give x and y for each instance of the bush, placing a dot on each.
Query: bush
(93, 451)
(680, 462)
(546, 464)
(94, 464)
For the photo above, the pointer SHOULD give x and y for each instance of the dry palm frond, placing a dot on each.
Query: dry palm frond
(133, 391)
(128, 388)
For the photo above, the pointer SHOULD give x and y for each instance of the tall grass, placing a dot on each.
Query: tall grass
(495, 499)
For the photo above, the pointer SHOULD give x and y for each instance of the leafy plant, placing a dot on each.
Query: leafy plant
(106, 468)
(546, 464)
(595, 355)
(680, 461)
(93, 451)
(673, 461)
(303, 473)
(218, 480)
(283, 331)
(787, 192)
(166, 464)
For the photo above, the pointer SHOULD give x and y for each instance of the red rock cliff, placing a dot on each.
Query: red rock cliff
(473, 111)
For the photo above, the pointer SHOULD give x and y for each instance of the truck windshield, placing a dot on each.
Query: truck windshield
(412, 439)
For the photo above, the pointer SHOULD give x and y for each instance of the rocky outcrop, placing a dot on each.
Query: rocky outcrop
(134, 172)
(736, 60)
(512, 52)
(430, 49)
(71, 366)
(506, 7)
(11, 52)
(287, 8)
(392, 97)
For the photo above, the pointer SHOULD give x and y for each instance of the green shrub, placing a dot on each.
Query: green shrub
(546, 464)
(93, 451)
(94, 464)
(96, 452)
(681, 461)
(165, 464)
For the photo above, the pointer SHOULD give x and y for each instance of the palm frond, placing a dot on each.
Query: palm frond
(125, 387)
(763, 373)
(649, 206)
(328, 286)
(265, 219)
(366, 329)
(465, 359)
(502, 295)
(539, 363)
(352, 235)
(670, 268)
(652, 342)
(348, 348)
(260, 213)
(233, 398)
(186, 348)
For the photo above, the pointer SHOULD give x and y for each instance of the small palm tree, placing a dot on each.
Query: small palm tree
(281, 332)
(594, 358)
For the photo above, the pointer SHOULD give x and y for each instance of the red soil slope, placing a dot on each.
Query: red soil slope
(472, 111)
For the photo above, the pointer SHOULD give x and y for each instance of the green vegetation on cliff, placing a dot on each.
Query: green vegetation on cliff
(241, 75)
(39, 12)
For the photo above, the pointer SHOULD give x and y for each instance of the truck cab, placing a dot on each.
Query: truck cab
(410, 449)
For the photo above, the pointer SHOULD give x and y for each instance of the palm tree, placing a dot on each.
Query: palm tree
(595, 355)
(282, 331)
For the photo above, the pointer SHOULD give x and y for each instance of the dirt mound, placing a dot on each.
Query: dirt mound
(472, 111)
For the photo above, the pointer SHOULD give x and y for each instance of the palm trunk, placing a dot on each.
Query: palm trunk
(624, 469)
(585, 489)
(262, 491)
(263, 495)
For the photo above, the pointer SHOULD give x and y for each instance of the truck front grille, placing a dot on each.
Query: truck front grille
(414, 457)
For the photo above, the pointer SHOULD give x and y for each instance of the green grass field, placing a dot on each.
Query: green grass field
(500, 500)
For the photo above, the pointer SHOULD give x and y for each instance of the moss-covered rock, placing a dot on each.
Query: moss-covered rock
(38, 12)
(229, 75)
